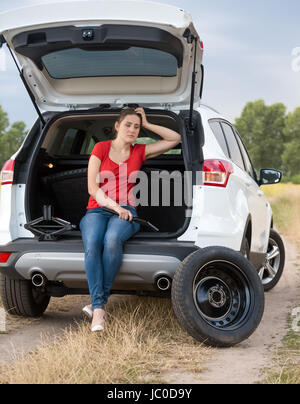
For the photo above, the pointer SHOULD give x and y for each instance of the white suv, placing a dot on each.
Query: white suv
(82, 62)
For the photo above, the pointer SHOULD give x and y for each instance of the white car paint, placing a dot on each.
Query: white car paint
(78, 13)
(220, 215)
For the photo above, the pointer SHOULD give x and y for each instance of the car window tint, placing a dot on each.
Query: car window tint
(247, 161)
(134, 61)
(219, 135)
(67, 143)
(234, 149)
(90, 147)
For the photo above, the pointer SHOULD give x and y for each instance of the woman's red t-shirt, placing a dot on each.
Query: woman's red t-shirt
(117, 181)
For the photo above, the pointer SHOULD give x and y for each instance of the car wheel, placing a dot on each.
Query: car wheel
(272, 270)
(21, 298)
(218, 296)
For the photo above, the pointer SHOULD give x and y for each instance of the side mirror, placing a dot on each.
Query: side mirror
(269, 177)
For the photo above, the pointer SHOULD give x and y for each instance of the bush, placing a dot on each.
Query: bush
(294, 179)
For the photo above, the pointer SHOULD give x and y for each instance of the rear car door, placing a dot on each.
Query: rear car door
(257, 203)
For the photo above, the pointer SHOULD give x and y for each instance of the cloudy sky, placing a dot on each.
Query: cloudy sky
(248, 55)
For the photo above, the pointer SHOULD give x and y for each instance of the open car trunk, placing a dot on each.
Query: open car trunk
(77, 58)
(59, 173)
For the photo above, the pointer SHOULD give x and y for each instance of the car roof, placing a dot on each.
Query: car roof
(210, 113)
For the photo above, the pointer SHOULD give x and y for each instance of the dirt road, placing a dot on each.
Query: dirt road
(242, 364)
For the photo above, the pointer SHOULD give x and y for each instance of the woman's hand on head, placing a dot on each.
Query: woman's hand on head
(124, 214)
(143, 114)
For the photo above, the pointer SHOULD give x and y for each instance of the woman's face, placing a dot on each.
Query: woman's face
(129, 128)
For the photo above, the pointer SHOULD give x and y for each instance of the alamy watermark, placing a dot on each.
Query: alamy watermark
(296, 59)
(2, 320)
(296, 319)
(160, 188)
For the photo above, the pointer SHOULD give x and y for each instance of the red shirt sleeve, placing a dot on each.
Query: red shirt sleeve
(142, 152)
(99, 150)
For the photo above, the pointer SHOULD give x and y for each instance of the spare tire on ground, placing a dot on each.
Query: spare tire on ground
(218, 296)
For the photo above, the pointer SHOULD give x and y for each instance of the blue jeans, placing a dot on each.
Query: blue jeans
(104, 235)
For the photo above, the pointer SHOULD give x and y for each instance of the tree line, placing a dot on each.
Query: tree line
(272, 137)
(11, 136)
(270, 134)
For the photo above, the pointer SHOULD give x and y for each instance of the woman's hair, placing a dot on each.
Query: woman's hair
(123, 115)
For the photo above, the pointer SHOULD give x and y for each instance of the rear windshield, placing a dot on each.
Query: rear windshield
(73, 141)
(133, 61)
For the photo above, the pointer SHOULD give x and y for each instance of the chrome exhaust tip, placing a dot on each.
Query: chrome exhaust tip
(38, 280)
(164, 283)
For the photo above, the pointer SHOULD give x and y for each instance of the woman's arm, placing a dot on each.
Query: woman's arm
(170, 138)
(96, 192)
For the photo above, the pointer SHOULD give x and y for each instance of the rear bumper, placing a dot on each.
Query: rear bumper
(63, 261)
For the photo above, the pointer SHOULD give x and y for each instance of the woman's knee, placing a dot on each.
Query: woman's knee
(92, 246)
(93, 227)
(112, 241)
(85, 223)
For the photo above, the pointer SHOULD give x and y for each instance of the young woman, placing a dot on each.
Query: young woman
(104, 233)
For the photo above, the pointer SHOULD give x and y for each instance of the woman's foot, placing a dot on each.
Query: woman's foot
(98, 320)
(88, 311)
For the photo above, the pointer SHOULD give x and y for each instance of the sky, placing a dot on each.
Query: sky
(252, 51)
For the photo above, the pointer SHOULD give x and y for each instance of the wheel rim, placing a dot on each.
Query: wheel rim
(222, 295)
(272, 263)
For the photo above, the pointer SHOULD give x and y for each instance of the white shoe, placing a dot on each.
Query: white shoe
(88, 311)
(98, 328)
(98, 325)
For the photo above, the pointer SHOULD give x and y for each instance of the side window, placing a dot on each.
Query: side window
(247, 161)
(234, 149)
(90, 147)
(219, 135)
(149, 140)
(67, 143)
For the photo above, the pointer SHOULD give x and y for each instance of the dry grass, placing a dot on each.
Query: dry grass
(286, 369)
(142, 341)
(285, 201)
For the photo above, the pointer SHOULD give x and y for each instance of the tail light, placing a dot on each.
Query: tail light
(216, 173)
(7, 173)
(4, 257)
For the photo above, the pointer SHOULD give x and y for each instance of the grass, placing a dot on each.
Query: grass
(285, 201)
(141, 343)
(287, 361)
